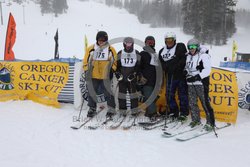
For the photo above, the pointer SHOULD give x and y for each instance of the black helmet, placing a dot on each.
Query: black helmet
(126, 41)
(102, 34)
(150, 41)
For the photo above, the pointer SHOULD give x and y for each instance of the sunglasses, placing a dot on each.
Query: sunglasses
(192, 47)
(169, 39)
(150, 42)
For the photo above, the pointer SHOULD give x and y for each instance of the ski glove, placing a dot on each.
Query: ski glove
(185, 72)
(194, 78)
(131, 77)
(119, 76)
(141, 80)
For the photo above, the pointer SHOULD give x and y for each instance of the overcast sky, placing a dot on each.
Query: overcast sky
(243, 4)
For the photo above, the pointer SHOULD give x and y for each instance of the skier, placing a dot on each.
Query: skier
(99, 63)
(173, 59)
(149, 62)
(197, 69)
(127, 70)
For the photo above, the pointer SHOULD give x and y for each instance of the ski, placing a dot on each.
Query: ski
(100, 123)
(157, 125)
(182, 131)
(150, 123)
(130, 122)
(86, 120)
(117, 121)
(199, 133)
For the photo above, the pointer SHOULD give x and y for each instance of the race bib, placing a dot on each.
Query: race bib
(128, 59)
(154, 59)
(101, 54)
(168, 54)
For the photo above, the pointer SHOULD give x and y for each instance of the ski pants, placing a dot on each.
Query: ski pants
(195, 92)
(98, 88)
(179, 86)
(151, 108)
(205, 83)
(125, 86)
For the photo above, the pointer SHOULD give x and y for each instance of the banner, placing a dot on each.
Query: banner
(243, 79)
(223, 92)
(10, 39)
(223, 96)
(37, 81)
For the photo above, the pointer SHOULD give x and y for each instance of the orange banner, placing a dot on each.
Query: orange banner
(10, 39)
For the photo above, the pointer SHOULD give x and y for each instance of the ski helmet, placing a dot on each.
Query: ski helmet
(193, 44)
(128, 43)
(102, 35)
(150, 40)
(170, 35)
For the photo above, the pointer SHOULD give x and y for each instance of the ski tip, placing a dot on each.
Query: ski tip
(73, 127)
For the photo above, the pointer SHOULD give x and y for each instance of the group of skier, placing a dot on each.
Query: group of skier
(186, 73)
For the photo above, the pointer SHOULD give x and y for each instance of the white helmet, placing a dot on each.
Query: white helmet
(170, 35)
(193, 42)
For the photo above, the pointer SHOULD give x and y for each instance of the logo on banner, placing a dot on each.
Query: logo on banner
(6, 83)
(244, 97)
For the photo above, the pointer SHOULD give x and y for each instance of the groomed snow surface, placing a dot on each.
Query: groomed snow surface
(34, 135)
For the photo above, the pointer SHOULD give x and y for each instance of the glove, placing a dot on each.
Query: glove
(194, 78)
(131, 77)
(185, 72)
(200, 66)
(119, 76)
(141, 80)
(86, 74)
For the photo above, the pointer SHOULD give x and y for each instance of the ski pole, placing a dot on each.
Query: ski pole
(80, 110)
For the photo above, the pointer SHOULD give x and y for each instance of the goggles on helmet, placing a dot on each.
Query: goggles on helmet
(169, 39)
(192, 47)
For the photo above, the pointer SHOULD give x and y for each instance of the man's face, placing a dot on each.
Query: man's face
(101, 41)
(170, 42)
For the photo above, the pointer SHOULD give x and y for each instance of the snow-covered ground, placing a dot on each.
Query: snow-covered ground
(34, 135)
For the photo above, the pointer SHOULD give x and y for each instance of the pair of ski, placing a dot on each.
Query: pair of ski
(188, 133)
(115, 122)
(81, 124)
(150, 125)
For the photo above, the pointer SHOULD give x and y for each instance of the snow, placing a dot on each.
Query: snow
(34, 135)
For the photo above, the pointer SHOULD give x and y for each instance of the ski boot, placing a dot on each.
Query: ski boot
(92, 112)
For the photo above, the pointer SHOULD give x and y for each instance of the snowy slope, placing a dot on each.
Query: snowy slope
(34, 135)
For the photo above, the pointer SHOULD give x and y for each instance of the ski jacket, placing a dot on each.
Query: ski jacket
(149, 62)
(128, 63)
(198, 64)
(102, 60)
(173, 60)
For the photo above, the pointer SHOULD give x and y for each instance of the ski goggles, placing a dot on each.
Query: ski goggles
(128, 44)
(169, 39)
(192, 47)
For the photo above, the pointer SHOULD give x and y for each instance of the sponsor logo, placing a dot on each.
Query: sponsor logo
(244, 97)
(6, 81)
